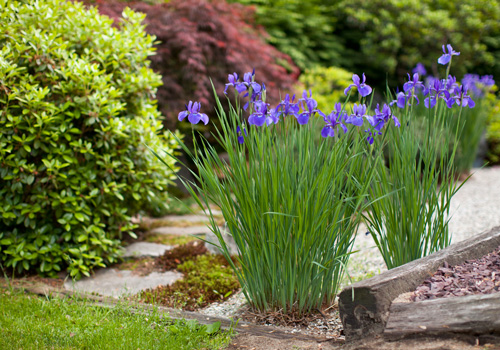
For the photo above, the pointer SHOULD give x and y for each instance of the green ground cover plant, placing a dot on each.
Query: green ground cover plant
(207, 279)
(170, 239)
(32, 322)
(76, 110)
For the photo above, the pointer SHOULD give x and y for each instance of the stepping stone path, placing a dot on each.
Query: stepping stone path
(142, 249)
(183, 231)
(114, 282)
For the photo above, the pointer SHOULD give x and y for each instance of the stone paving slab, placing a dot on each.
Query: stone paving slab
(181, 231)
(115, 283)
(214, 249)
(138, 249)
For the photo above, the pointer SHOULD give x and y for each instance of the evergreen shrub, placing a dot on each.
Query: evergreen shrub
(77, 110)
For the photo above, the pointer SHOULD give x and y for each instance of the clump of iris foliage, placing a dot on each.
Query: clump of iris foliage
(32, 322)
(290, 202)
(473, 120)
(293, 201)
(415, 185)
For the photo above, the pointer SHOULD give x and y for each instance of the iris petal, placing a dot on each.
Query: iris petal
(303, 118)
(364, 90)
(182, 115)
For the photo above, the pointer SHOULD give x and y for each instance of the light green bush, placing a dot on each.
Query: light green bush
(327, 85)
(77, 110)
(493, 127)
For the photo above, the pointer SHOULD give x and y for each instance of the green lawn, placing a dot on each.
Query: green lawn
(32, 322)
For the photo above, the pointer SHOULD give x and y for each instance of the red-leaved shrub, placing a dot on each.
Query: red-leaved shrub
(201, 40)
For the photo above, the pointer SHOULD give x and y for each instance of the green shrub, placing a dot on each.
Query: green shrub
(493, 128)
(77, 111)
(388, 36)
(327, 85)
(304, 30)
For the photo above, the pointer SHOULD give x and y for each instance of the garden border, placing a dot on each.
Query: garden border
(364, 306)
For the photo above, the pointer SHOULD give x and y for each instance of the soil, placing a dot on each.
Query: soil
(325, 322)
(478, 276)
(252, 342)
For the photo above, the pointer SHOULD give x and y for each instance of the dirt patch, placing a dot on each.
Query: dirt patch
(140, 267)
(478, 276)
(173, 258)
(324, 322)
(252, 342)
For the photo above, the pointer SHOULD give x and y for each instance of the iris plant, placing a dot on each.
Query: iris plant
(293, 203)
(416, 182)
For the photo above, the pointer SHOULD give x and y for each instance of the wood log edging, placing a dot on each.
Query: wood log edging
(474, 314)
(366, 313)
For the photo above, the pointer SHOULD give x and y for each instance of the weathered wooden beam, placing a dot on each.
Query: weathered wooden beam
(445, 315)
(367, 312)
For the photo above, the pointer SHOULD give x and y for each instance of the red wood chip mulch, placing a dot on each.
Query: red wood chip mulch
(479, 276)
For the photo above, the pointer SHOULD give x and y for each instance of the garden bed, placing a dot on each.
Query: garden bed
(366, 307)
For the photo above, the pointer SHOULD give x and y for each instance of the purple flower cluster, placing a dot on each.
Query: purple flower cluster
(305, 108)
(476, 84)
(302, 109)
(447, 89)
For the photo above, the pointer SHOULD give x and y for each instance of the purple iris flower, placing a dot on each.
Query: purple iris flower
(262, 114)
(333, 120)
(420, 69)
(233, 81)
(193, 113)
(241, 138)
(363, 89)
(258, 117)
(257, 92)
(436, 89)
(450, 83)
(461, 98)
(402, 99)
(429, 81)
(487, 80)
(477, 84)
(371, 135)
(358, 113)
(382, 117)
(288, 107)
(311, 104)
(248, 81)
(412, 84)
(446, 57)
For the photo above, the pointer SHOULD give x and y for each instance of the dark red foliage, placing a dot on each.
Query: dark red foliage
(202, 40)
